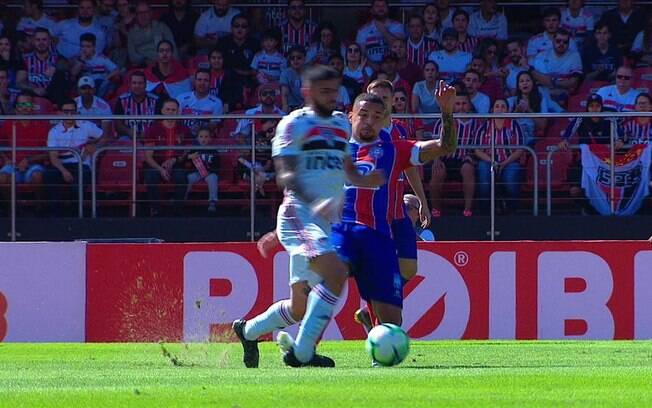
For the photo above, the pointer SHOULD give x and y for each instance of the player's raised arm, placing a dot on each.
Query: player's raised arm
(373, 179)
(447, 142)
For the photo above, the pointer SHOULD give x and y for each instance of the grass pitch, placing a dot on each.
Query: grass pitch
(446, 373)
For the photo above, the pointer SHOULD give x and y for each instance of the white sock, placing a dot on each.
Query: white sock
(321, 302)
(277, 316)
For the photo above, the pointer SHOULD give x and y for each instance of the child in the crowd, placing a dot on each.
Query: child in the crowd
(263, 166)
(269, 62)
(97, 66)
(206, 163)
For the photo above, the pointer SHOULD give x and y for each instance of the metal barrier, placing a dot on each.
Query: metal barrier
(14, 149)
(252, 148)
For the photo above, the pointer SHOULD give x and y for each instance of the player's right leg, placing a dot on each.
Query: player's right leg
(280, 315)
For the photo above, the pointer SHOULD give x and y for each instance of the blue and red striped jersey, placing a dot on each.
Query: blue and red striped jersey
(374, 207)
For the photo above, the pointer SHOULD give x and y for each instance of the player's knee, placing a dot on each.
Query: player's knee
(408, 268)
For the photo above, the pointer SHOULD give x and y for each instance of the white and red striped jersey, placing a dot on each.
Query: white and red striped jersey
(37, 69)
(510, 135)
(636, 132)
(417, 53)
(293, 36)
(468, 45)
(128, 105)
(466, 133)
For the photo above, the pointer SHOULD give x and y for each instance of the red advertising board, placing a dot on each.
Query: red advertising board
(470, 290)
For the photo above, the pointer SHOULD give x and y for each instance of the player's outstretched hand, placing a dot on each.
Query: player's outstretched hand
(267, 243)
(424, 215)
(445, 95)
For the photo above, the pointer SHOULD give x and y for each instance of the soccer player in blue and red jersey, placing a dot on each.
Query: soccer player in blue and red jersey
(402, 229)
(364, 237)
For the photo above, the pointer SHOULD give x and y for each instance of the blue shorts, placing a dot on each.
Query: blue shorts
(23, 176)
(405, 238)
(373, 261)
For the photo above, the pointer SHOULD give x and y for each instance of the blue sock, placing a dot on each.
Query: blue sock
(276, 317)
(319, 310)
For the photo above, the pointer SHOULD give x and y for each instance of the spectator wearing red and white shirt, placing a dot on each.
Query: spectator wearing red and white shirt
(414, 126)
(214, 23)
(200, 102)
(418, 45)
(465, 41)
(40, 64)
(34, 17)
(269, 62)
(376, 36)
(29, 166)
(488, 22)
(639, 130)
(451, 61)
(620, 97)
(166, 76)
(69, 31)
(507, 160)
(297, 30)
(545, 41)
(166, 165)
(407, 70)
(577, 20)
(558, 69)
(137, 101)
(389, 66)
(266, 97)
(461, 162)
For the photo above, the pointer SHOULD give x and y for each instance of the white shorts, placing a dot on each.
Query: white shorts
(304, 236)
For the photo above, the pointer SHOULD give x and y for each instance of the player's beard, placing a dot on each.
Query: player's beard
(321, 109)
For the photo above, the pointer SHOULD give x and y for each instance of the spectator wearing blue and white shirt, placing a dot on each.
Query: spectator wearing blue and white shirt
(34, 17)
(558, 69)
(69, 31)
(376, 36)
(487, 22)
(214, 24)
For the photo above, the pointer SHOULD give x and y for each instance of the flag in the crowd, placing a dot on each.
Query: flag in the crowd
(632, 178)
(175, 84)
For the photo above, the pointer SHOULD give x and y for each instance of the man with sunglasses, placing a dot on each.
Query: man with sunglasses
(558, 69)
(297, 30)
(291, 79)
(29, 166)
(620, 97)
(267, 105)
(238, 49)
(551, 21)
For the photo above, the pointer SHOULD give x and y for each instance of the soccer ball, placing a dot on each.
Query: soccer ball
(388, 344)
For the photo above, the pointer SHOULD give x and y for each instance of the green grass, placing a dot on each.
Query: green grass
(447, 373)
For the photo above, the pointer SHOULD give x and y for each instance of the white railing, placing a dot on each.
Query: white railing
(135, 147)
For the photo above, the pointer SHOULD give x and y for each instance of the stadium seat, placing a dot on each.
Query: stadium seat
(114, 170)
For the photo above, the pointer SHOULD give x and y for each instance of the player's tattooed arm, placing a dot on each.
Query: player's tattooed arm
(447, 142)
(373, 179)
(448, 133)
(286, 177)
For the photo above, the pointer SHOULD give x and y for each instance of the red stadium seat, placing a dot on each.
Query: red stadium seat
(115, 168)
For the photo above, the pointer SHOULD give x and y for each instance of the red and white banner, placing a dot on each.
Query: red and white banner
(470, 290)
(42, 292)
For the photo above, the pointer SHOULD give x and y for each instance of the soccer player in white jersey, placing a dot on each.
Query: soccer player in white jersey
(312, 159)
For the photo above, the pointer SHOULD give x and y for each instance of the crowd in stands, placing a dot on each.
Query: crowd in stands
(131, 58)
